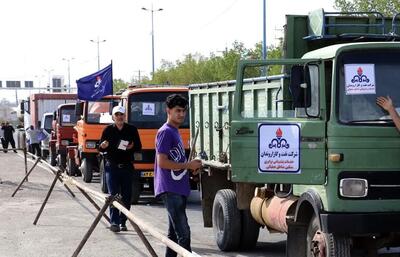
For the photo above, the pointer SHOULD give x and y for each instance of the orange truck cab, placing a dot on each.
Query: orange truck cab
(64, 120)
(145, 107)
(94, 117)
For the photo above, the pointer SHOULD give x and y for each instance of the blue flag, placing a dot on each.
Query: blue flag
(96, 85)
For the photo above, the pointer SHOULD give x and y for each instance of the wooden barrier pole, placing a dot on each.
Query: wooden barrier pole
(108, 202)
(25, 178)
(165, 240)
(47, 198)
(94, 203)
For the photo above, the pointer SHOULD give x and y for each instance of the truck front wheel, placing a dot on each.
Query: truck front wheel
(250, 231)
(72, 167)
(226, 219)
(103, 182)
(53, 157)
(321, 244)
(87, 170)
(136, 188)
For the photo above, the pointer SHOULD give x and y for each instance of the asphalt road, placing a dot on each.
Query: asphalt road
(65, 220)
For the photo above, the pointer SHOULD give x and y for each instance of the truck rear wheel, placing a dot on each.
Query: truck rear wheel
(226, 220)
(250, 231)
(103, 182)
(327, 245)
(87, 170)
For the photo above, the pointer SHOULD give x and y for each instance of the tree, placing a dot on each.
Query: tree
(119, 84)
(196, 68)
(388, 8)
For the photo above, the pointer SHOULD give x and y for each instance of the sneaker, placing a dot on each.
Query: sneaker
(114, 228)
(124, 228)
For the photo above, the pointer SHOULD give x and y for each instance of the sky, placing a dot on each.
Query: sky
(37, 35)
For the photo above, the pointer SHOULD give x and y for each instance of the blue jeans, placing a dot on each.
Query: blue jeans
(178, 227)
(119, 181)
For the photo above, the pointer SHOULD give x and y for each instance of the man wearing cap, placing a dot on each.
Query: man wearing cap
(119, 141)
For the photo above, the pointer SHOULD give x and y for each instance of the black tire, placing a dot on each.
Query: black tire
(136, 189)
(226, 220)
(62, 161)
(72, 167)
(250, 231)
(103, 183)
(45, 154)
(87, 170)
(53, 158)
(336, 246)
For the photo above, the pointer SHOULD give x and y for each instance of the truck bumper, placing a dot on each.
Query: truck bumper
(360, 223)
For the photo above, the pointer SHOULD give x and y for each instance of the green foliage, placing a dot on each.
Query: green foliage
(388, 8)
(119, 84)
(196, 68)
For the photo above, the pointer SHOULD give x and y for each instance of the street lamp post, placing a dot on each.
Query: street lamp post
(49, 71)
(68, 60)
(98, 41)
(152, 33)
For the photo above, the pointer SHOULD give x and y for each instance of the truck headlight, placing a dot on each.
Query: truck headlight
(64, 142)
(353, 187)
(90, 144)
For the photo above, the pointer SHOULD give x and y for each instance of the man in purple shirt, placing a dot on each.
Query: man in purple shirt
(171, 172)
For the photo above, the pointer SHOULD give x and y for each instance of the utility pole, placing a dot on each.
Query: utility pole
(68, 60)
(98, 41)
(152, 33)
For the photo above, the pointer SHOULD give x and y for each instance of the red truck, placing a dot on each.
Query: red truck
(62, 135)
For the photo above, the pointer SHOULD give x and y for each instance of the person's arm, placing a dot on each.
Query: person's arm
(136, 144)
(104, 143)
(165, 163)
(387, 104)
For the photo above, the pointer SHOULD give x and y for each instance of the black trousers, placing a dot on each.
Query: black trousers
(9, 140)
(35, 148)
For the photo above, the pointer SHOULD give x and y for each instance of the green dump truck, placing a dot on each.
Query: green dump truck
(308, 153)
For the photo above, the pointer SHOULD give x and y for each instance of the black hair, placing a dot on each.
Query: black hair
(176, 100)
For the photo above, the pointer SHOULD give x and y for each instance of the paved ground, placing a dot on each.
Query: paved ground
(65, 220)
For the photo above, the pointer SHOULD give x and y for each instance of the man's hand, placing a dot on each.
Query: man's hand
(130, 146)
(194, 165)
(385, 103)
(104, 144)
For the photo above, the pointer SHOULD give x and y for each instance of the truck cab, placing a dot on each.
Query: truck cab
(47, 128)
(145, 105)
(308, 153)
(94, 117)
(64, 120)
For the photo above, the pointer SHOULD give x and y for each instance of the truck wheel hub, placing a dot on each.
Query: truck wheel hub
(318, 245)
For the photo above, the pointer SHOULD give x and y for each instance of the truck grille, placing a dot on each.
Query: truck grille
(381, 184)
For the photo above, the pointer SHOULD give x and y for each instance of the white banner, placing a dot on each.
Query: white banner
(359, 79)
(279, 148)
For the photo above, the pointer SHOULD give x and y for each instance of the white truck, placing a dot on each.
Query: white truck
(34, 108)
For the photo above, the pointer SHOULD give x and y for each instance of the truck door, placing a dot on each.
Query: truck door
(278, 129)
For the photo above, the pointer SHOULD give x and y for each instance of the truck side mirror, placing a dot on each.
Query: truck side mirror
(55, 115)
(113, 103)
(79, 109)
(21, 106)
(300, 87)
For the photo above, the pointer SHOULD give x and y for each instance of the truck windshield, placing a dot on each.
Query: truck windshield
(147, 110)
(48, 120)
(67, 116)
(98, 112)
(363, 76)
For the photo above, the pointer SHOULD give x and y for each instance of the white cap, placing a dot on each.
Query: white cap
(118, 108)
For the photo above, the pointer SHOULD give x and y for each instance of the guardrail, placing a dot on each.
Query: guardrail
(107, 200)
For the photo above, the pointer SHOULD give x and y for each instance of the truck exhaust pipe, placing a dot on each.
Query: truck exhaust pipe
(271, 212)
